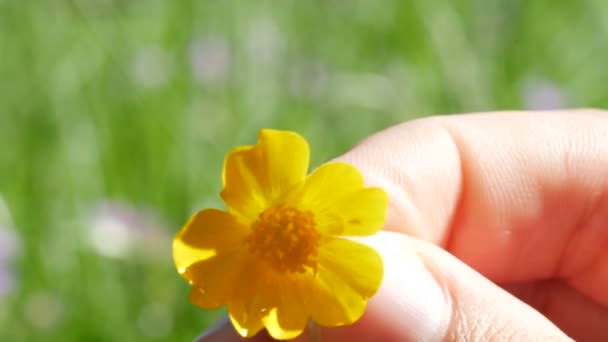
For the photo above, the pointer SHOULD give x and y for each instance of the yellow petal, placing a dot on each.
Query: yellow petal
(244, 182)
(289, 317)
(207, 233)
(246, 326)
(213, 280)
(358, 265)
(255, 177)
(363, 211)
(263, 298)
(204, 299)
(349, 273)
(251, 298)
(326, 185)
(335, 193)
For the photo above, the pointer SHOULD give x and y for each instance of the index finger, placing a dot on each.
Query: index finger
(517, 195)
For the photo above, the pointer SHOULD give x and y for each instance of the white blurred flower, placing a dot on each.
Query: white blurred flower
(119, 230)
(210, 60)
(151, 67)
(539, 94)
(110, 236)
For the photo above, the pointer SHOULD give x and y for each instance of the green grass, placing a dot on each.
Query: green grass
(99, 101)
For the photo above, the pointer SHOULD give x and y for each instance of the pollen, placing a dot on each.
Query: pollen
(286, 238)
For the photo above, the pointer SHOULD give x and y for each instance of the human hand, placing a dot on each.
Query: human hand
(497, 230)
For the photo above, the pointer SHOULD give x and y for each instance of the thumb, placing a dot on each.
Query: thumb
(429, 295)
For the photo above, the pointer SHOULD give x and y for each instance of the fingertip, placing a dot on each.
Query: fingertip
(411, 305)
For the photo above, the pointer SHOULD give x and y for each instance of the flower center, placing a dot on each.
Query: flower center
(286, 238)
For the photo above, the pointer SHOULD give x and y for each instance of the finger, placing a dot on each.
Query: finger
(516, 195)
(428, 295)
(575, 314)
(436, 202)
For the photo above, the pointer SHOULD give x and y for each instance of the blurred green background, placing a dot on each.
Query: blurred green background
(115, 116)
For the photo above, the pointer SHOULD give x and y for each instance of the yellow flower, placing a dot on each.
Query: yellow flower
(276, 258)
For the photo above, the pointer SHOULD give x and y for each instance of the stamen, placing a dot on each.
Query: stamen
(286, 238)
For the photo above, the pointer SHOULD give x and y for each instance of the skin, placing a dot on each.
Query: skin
(497, 230)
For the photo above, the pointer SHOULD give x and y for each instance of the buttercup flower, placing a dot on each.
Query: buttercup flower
(278, 256)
